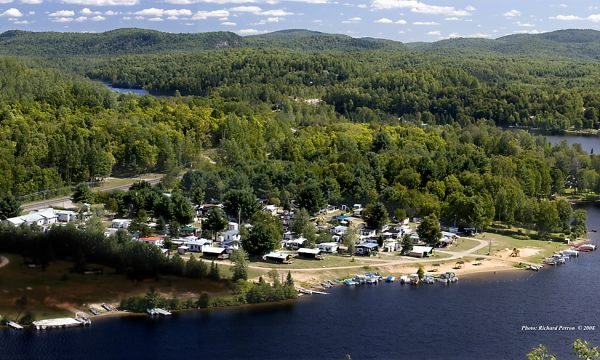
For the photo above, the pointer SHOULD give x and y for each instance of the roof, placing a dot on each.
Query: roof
(328, 244)
(421, 249)
(213, 250)
(198, 242)
(367, 245)
(150, 238)
(187, 228)
(278, 255)
(309, 251)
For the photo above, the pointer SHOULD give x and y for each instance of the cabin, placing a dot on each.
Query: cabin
(328, 247)
(421, 251)
(120, 223)
(310, 253)
(152, 240)
(197, 245)
(215, 253)
(368, 233)
(188, 230)
(65, 215)
(278, 258)
(339, 230)
(294, 244)
(366, 249)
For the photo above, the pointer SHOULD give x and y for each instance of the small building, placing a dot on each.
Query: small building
(328, 247)
(197, 245)
(278, 257)
(339, 230)
(182, 249)
(294, 244)
(421, 251)
(216, 253)
(120, 223)
(66, 215)
(152, 240)
(368, 233)
(310, 253)
(366, 249)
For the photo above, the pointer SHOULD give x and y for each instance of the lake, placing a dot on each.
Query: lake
(140, 92)
(477, 318)
(588, 143)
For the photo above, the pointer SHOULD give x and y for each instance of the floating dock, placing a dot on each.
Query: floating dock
(14, 325)
(80, 320)
(158, 311)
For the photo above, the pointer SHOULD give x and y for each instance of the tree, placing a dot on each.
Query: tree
(214, 271)
(429, 229)
(182, 209)
(265, 235)
(311, 198)
(242, 203)
(299, 221)
(578, 226)
(546, 218)
(564, 213)
(350, 238)
(9, 207)
(421, 272)
(198, 196)
(240, 268)
(152, 298)
(82, 194)
(407, 244)
(540, 353)
(375, 215)
(215, 221)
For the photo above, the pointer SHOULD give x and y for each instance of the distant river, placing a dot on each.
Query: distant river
(587, 142)
(477, 318)
(140, 92)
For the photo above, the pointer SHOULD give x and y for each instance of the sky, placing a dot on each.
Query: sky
(402, 20)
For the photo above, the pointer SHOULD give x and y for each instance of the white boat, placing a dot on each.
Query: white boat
(549, 261)
(571, 252)
(414, 279)
(14, 325)
(372, 280)
(587, 247)
(403, 279)
(428, 280)
(162, 312)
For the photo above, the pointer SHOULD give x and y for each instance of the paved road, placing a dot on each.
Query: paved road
(59, 201)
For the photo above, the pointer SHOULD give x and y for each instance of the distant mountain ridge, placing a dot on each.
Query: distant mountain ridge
(570, 44)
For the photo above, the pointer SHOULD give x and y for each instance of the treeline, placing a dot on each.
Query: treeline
(374, 85)
(127, 256)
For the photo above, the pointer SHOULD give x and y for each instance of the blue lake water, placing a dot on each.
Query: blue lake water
(140, 92)
(477, 318)
(588, 143)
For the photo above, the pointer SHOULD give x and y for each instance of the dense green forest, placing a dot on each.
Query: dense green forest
(417, 132)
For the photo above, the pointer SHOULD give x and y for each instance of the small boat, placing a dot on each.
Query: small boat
(390, 279)
(107, 307)
(372, 280)
(325, 285)
(571, 252)
(93, 310)
(414, 279)
(350, 282)
(428, 280)
(533, 267)
(162, 312)
(549, 261)
(151, 312)
(14, 325)
(403, 279)
(587, 247)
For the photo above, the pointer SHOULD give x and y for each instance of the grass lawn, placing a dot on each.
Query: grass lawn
(502, 242)
(462, 244)
(56, 291)
(116, 182)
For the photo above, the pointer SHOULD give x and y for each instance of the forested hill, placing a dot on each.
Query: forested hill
(307, 40)
(116, 42)
(139, 41)
(566, 44)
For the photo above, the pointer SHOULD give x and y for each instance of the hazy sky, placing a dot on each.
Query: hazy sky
(404, 20)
